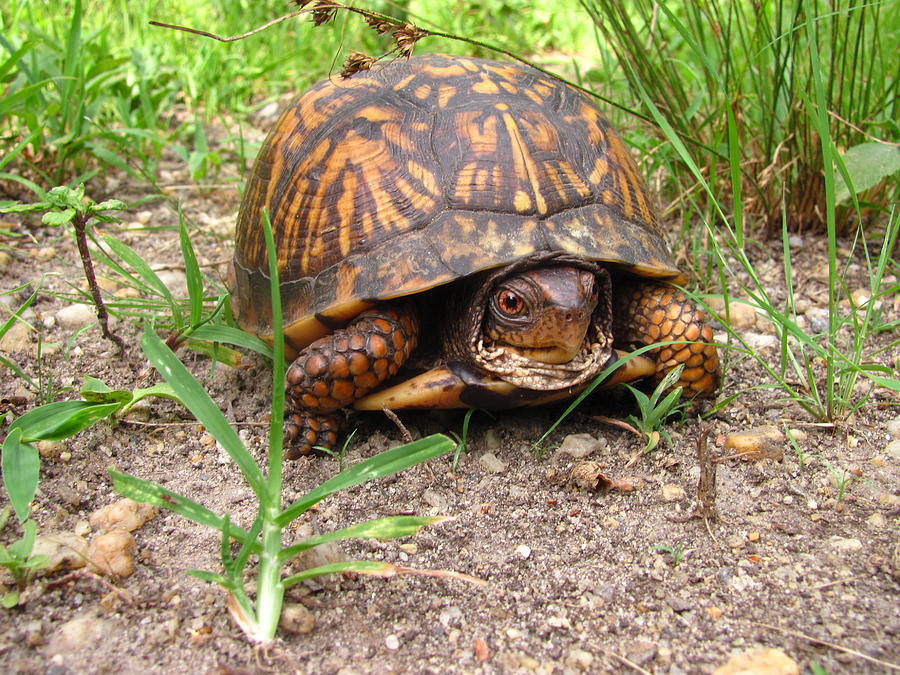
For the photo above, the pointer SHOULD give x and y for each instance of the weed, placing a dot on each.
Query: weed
(842, 479)
(654, 412)
(803, 458)
(676, 552)
(339, 454)
(63, 205)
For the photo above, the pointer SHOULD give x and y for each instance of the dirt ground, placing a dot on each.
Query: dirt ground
(576, 579)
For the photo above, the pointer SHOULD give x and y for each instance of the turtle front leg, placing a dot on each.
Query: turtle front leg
(646, 313)
(337, 369)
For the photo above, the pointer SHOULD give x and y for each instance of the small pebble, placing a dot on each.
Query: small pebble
(893, 427)
(672, 492)
(523, 551)
(75, 316)
(741, 314)
(766, 442)
(17, 338)
(579, 446)
(579, 659)
(125, 514)
(5, 259)
(876, 521)
(175, 281)
(892, 449)
(845, 544)
(79, 632)
(392, 642)
(491, 463)
(112, 553)
(64, 550)
(759, 661)
(296, 618)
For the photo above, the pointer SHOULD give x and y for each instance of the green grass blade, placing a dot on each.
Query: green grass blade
(147, 492)
(391, 527)
(232, 336)
(202, 406)
(151, 278)
(374, 567)
(192, 274)
(382, 464)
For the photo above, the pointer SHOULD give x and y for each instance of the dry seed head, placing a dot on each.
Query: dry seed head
(356, 62)
(380, 24)
(407, 36)
(324, 11)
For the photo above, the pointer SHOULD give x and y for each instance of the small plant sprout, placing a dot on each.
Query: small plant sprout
(803, 458)
(63, 205)
(677, 553)
(654, 412)
(841, 480)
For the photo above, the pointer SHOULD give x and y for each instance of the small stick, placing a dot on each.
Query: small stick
(392, 416)
(80, 223)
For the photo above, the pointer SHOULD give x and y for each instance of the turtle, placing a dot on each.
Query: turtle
(456, 232)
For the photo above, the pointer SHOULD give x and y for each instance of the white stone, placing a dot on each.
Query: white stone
(76, 316)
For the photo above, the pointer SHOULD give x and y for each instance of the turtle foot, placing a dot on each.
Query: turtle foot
(305, 433)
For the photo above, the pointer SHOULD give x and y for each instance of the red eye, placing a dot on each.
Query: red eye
(510, 303)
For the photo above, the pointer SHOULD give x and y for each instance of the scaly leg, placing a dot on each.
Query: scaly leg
(646, 313)
(337, 369)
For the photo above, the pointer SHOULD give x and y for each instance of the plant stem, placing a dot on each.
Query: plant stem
(269, 589)
(80, 224)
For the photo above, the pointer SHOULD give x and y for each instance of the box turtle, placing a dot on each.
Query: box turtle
(456, 232)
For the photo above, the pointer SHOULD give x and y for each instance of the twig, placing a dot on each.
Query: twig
(79, 221)
(630, 664)
(837, 583)
(392, 416)
(831, 645)
(233, 38)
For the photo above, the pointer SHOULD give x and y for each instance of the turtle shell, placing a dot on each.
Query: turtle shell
(422, 171)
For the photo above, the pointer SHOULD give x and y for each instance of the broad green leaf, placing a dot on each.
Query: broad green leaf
(110, 205)
(97, 391)
(58, 217)
(202, 406)
(10, 599)
(867, 164)
(382, 464)
(159, 390)
(21, 467)
(391, 527)
(62, 419)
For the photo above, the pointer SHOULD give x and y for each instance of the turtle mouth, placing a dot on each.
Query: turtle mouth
(530, 373)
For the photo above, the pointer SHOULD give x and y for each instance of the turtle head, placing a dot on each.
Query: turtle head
(543, 313)
(542, 323)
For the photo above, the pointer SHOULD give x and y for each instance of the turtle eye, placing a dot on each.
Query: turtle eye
(510, 303)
